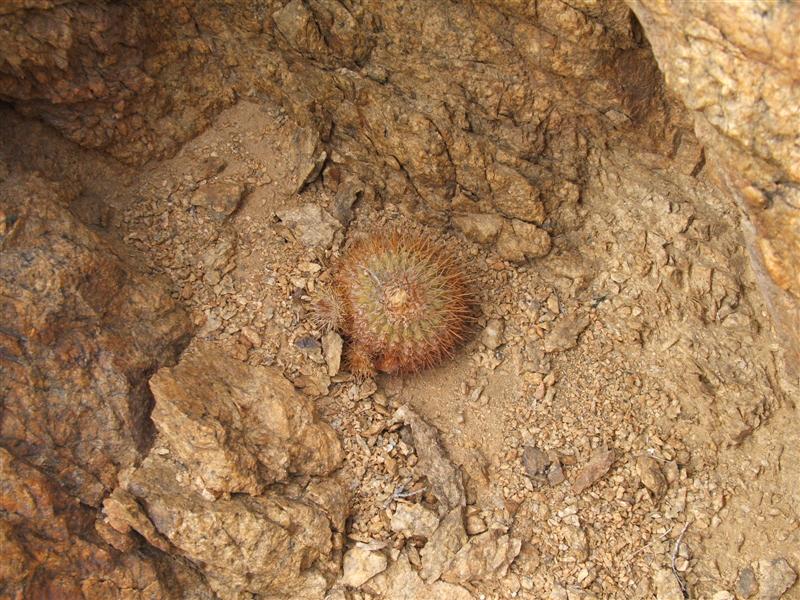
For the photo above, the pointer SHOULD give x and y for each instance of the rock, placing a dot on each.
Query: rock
(520, 241)
(775, 578)
(51, 550)
(750, 146)
(78, 321)
(597, 467)
(558, 592)
(346, 196)
(445, 479)
(312, 226)
(245, 545)
(565, 334)
(723, 596)
(239, 428)
(443, 545)
(332, 349)
(480, 228)
(220, 199)
(514, 196)
(575, 538)
(414, 520)
(219, 258)
(652, 477)
(555, 474)
(252, 337)
(484, 556)
(360, 565)
(492, 335)
(475, 525)
(667, 586)
(311, 157)
(401, 582)
(746, 584)
(535, 462)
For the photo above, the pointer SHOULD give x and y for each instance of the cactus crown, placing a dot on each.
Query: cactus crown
(405, 303)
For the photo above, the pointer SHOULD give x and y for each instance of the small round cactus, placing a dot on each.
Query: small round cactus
(403, 302)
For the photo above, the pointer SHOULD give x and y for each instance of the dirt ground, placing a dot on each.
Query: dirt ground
(641, 333)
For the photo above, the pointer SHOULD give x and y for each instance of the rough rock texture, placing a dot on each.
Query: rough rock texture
(216, 490)
(79, 325)
(239, 428)
(51, 550)
(81, 332)
(735, 67)
(484, 108)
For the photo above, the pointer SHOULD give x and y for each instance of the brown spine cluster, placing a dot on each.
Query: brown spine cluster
(403, 301)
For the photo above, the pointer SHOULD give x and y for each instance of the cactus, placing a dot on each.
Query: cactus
(403, 302)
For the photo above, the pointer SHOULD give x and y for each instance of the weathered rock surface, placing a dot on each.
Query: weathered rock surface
(446, 480)
(245, 544)
(50, 548)
(735, 67)
(239, 428)
(401, 582)
(217, 486)
(485, 556)
(79, 322)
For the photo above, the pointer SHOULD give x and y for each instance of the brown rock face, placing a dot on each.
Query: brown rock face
(735, 65)
(226, 427)
(50, 548)
(82, 332)
(239, 428)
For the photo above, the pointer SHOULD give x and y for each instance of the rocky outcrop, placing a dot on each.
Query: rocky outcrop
(735, 66)
(216, 488)
(239, 428)
(448, 108)
(51, 550)
(82, 331)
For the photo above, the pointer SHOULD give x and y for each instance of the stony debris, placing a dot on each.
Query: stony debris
(401, 582)
(361, 564)
(414, 520)
(535, 462)
(565, 334)
(492, 335)
(332, 344)
(443, 545)
(597, 467)
(311, 157)
(239, 428)
(746, 583)
(481, 228)
(446, 480)
(775, 578)
(312, 225)
(220, 199)
(652, 477)
(667, 585)
(519, 241)
(485, 556)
